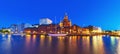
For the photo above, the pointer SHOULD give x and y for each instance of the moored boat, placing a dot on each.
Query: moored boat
(57, 34)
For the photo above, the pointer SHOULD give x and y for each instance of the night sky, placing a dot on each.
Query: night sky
(103, 13)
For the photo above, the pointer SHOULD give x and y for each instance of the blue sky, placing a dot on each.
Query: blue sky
(103, 13)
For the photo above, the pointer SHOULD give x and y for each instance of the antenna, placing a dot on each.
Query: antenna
(65, 13)
(55, 24)
(55, 19)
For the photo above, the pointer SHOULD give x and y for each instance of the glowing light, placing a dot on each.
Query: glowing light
(118, 47)
(42, 39)
(28, 38)
(3, 35)
(42, 36)
(28, 35)
(98, 45)
(9, 36)
(28, 31)
(112, 40)
(86, 44)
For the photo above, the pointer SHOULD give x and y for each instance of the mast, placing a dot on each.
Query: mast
(55, 25)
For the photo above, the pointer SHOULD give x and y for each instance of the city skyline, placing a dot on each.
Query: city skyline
(59, 26)
(83, 13)
(53, 22)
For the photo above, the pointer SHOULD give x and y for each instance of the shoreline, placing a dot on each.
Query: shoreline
(67, 35)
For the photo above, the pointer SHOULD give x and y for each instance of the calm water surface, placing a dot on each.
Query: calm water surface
(32, 44)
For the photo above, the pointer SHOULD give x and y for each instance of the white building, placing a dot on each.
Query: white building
(45, 21)
(97, 30)
(27, 25)
(36, 25)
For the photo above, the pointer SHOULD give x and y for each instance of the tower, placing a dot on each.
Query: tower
(66, 22)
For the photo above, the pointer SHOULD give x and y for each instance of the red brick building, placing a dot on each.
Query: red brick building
(65, 26)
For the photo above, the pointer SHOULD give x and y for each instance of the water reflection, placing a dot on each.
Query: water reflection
(33, 39)
(98, 45)
(60, 45)
(42, 40)
(41, 44)
(27, 43)
(49, 41)
(5, 44)
(112, 40)
(118, 47)
(86, 44)
(28, 37)
(3, 35)
(72, 46)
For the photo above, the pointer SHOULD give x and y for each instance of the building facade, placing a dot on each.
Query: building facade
(65, 26)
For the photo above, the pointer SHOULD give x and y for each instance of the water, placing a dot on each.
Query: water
(59, 45)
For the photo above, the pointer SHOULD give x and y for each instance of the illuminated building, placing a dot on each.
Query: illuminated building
(65, 22)
(65, 26)
(85, 31)
(33, 30)
(27, 25)
(94, 29)
(45, 21)
(36, 25)
(97, 30)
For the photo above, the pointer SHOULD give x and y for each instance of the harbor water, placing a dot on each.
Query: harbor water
(40, 44)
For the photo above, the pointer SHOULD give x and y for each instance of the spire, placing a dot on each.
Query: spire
(66, 15)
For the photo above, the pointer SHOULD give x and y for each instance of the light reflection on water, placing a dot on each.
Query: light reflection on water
(40, 44)
(118, 47)
(98, 45)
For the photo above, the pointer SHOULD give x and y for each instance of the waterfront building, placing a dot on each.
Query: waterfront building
(85, 31)
(66, 22)
(65, 26)
(42, 29)
(17, 28)
(97, 30)
(21, 27)
(36, 25)
(27, 25)
(94, 29)
(115, 32)
(29, 30)
(44, 21)
(14, 28)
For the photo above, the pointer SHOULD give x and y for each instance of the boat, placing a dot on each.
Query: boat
(57, 34)
(16, 34)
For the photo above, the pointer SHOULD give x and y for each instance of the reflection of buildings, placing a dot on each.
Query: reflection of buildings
(98, 45)
(65, 26)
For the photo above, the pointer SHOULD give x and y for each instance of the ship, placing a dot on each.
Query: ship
(55, 34)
